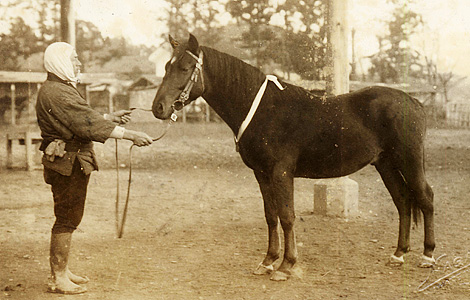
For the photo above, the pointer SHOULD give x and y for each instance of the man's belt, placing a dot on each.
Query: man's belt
(76, 146)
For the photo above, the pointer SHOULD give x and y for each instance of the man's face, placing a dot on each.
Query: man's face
(75, 62)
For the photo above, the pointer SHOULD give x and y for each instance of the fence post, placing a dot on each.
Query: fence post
(13, 103)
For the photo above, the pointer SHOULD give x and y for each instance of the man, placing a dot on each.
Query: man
(68, 127)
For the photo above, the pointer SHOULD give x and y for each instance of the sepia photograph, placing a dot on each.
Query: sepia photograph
(234, 149)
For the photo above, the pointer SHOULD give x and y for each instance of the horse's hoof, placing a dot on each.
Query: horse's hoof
(279, 276)
(263, 270)
(395, 261)
(427, 262)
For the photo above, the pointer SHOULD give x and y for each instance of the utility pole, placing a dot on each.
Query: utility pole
(353, 59)
(337, 196)
(337, 67)
(67, 21)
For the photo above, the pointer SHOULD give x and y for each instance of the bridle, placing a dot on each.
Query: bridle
(183, 99)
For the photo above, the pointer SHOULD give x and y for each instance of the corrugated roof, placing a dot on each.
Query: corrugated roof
(39, 77)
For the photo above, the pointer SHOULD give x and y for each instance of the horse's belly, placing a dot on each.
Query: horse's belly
(335, 161)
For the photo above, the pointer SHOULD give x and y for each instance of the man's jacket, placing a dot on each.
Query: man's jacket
(64, 114)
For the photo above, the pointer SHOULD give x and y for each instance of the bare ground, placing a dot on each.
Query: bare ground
(196, 229)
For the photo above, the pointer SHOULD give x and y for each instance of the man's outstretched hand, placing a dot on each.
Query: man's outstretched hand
(121, 116)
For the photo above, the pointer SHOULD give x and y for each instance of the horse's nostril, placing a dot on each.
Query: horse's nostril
(160, 108)
(157, 110)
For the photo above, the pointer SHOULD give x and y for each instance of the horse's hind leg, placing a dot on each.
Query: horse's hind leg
(396, 185)
(409, 190)
(424, 197)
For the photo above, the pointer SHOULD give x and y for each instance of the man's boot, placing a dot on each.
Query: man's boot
(61, 283)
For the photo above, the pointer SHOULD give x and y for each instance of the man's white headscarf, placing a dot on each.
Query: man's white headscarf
(57, 60)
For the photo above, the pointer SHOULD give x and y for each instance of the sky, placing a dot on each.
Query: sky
(445, 38)
(133, 19)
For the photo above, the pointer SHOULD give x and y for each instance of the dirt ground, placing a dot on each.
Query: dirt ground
(196, 229)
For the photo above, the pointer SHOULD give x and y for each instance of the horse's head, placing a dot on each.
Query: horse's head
(183, 81)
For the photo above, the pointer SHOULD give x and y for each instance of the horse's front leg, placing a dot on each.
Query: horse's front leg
(283, 196)
(270, 211)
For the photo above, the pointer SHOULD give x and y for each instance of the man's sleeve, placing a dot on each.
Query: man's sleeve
(70, 109)
(117, 133)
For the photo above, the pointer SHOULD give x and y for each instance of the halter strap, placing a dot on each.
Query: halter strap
(198, 66)
(183, 99)
(255, 104)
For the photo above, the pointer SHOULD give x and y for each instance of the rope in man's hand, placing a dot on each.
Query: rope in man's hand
(120, 223)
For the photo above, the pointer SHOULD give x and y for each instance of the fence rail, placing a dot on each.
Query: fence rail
(458, 114)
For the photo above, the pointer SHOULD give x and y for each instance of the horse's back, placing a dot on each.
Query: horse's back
(397, 120)
(355, 129)
(386, 110)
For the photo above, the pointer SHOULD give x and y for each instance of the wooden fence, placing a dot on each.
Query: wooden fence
(458, 114)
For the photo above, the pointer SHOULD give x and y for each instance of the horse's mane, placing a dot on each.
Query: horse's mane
(240, 74)
(228, 68)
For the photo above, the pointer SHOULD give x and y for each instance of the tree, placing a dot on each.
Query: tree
(18, 44)
(45, 16)
(24, 39)
(89, 41)
(396, 61)
(292, 46)
(48, 20)
(257, 38)
(207, 26)
(24, 43)
(443, 81)
(199, 17)
(304, 45)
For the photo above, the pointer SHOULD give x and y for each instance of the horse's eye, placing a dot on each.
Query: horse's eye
(185, 70)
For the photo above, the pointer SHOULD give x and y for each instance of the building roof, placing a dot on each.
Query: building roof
(101, 87)
(413, 87)
(22, 77)
(99, 78)
(146, 82)
(40, 77)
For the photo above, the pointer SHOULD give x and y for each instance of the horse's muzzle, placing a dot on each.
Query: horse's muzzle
(158, 111)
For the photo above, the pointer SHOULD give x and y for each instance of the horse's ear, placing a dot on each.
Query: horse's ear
(174, 43)
(193, 44)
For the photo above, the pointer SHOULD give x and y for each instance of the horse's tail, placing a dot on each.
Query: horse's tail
(417, 215)
(415, 210)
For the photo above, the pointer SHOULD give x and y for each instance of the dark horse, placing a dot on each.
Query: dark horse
(296, 134)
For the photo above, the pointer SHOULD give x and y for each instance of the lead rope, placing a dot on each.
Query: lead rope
(120, 223)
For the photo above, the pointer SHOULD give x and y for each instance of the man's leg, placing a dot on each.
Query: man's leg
(69, 201)
(59, 255)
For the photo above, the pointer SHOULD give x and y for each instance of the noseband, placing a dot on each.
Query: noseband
(183, 99)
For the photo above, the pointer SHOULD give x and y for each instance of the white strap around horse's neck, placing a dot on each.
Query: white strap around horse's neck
(255, 104)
